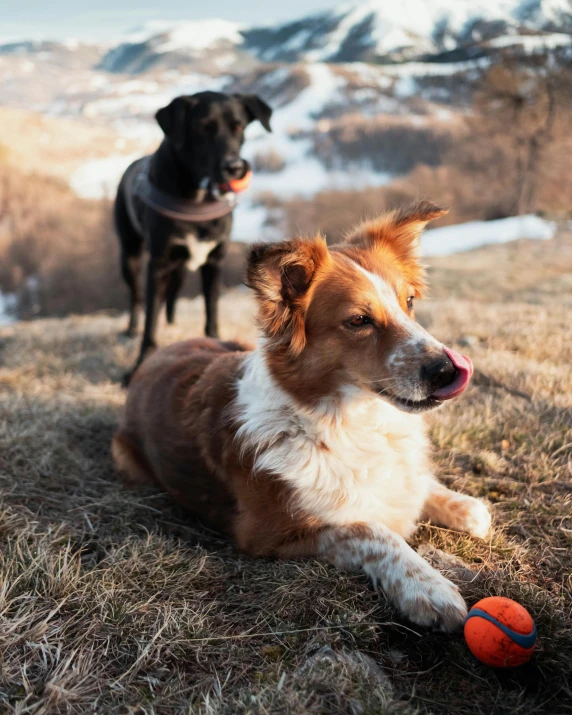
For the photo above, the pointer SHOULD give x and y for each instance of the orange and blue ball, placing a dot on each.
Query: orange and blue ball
(500, 632)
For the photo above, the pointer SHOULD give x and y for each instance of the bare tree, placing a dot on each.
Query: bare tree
(515, 112)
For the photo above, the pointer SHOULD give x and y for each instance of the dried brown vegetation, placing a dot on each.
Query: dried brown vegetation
(388, 144)
(114, 601)
(65, 243)
(59, 253)
(270, 161)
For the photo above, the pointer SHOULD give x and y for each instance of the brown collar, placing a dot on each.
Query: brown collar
(181, 209)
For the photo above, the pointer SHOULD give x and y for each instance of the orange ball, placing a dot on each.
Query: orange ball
(238, 185)
(500, 632)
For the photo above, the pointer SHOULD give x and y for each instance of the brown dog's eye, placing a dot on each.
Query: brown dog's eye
(358, 320)
(410, 302)
(236, 127)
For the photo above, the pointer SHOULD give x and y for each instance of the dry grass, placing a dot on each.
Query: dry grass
(115, 601)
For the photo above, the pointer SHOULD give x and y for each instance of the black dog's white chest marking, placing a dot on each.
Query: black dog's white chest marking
(198, 250)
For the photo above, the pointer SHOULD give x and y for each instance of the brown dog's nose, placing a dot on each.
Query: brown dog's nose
(439, 373)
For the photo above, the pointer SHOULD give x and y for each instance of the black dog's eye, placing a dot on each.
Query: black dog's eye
(210, 127)
(357, 321)
(236, 127)
(410, 302)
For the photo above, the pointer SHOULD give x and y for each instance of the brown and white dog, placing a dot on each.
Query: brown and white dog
(313, 444)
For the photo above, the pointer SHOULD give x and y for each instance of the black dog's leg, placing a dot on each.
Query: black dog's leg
(131, 242)
(131, 268)
(176, 279)
(157, 280)
(210, 276)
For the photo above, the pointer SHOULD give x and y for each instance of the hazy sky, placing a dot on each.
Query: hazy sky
(106, 18)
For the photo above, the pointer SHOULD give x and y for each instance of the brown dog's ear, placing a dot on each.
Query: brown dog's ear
(401, 229)
(281, 275)
(256, 108)
(173, 118)
(415, 217)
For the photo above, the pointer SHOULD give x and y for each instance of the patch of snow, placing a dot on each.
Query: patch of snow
(136, 85)
(224, 61)
(364, 94)
(297, 41)
(200, 35)
(144, 32)
(187, 35)
(99, 178)
(433, 69)
(138, 98)
(530, 43)
(307, 176)
(98, 81)
(405, 86)
(443, 115)
(8, 305)
(71, 43)
(248, 223)
(467, 236)
(371, 74)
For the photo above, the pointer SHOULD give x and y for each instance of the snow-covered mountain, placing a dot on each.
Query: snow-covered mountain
(374, 30)
(173, 45)
(365, 30)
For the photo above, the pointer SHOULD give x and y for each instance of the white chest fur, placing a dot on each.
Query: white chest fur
(199, 251)
(356, 458)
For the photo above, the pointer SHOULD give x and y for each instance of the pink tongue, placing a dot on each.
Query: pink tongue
(465, 370)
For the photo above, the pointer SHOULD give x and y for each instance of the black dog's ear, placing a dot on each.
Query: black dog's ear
(172, 118)
(257, 108)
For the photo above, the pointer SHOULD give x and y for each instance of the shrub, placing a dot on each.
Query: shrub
(57, 246)
(270, 161)
(386, 144)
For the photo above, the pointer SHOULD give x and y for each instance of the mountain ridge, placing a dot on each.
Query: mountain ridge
(371, 31)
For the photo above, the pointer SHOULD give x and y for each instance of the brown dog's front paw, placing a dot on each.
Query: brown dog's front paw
(441, 607)
(427, 598)
(472, 516)
(436, 604)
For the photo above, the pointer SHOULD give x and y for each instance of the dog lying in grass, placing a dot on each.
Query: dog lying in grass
(312, 444)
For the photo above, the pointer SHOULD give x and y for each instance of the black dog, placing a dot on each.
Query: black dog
(177, 205)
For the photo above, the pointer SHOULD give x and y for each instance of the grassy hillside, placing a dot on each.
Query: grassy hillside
(116, 601)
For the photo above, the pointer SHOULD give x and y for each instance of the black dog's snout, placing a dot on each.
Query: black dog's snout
(439, 373)
(236, 168)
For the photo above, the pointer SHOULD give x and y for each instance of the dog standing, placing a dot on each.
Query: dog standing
(176, 204)
(313, 444)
